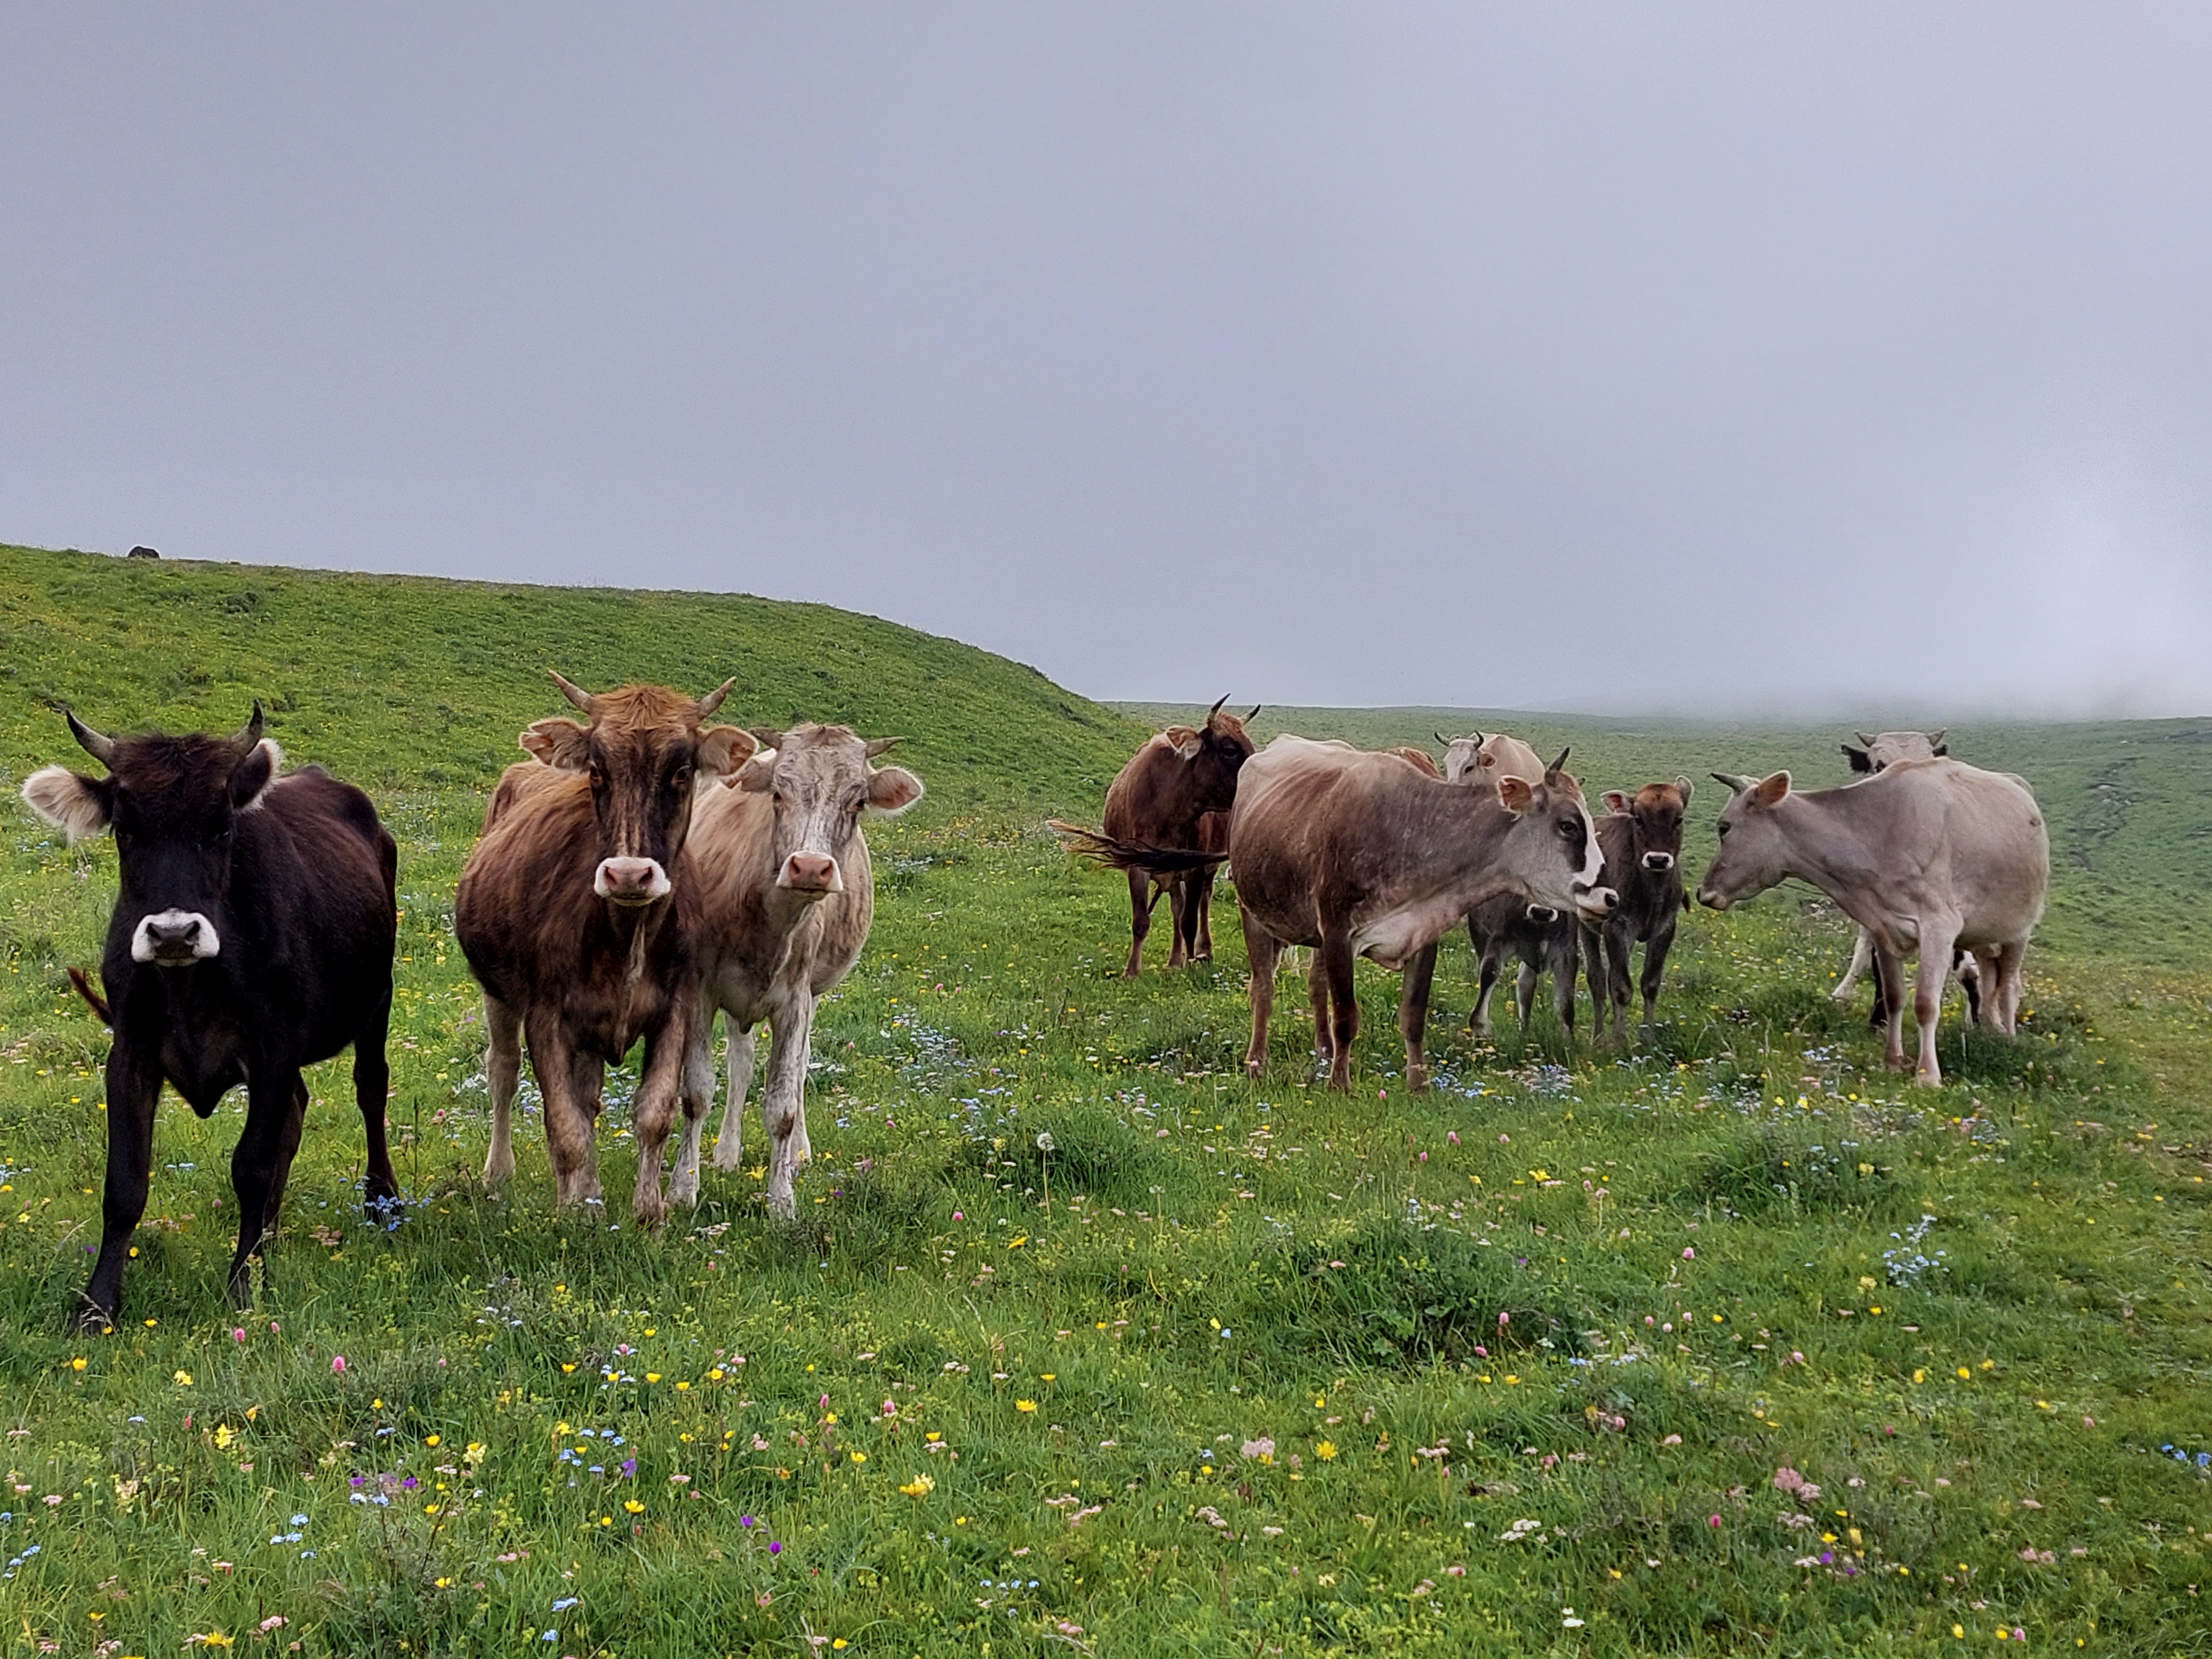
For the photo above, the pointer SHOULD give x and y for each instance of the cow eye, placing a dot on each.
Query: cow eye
(1724, 829)
(680, 778)
(1569, 828)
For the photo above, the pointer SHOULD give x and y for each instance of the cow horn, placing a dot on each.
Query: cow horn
(767, 736)
(1445, 740)
(250, 734)
(1216, 709)
(1735, 782)
(1253, 710)
(877, 745)
(101, 749)
(575, 693)
(713, 700)
(1864, 739)
(1560, 764)
(1476, 737)
(1935, 737)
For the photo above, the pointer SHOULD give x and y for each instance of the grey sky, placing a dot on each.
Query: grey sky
(1746, 357)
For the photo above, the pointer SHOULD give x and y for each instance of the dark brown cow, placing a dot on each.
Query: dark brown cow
(253, 936)
(578, 913)
(1363, 854)
(1157, 801)
(1642, 835)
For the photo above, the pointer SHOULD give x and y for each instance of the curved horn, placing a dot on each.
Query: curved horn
(1474, 736)
(101, 749)
(1560, 764)
(1445, 740)
(877, 745)
(1935, 737)
(1735, 782)
(1865, 741)
(575, 693)
(1254, 709)
(248, 734)
(1216, 709)
(713, 700)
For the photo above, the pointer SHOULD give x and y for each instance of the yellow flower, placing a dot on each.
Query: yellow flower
(859, 1457)
(567, 1365)
(1049, 1376)
(839, 1642)
(632, 1506)
(921, 1486)
(1919, 1376)
(431, 1439)
(682, 1387)
(1959, 1632)
(223, 1437)
(716, 1374)
(653, 1376)
(184, 1379)
(76, 1364)
(1964, 1372)
(1326, 1450)
(1025, 1404)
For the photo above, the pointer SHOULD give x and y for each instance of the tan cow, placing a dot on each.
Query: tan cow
(1361, 855)
(1929, 856)
(575, 913)
(1488, 757)
(787, 898)
(1868, 756)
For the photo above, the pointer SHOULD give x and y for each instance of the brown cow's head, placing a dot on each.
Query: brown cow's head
(1214, 752)
(1553, 846)
(646, 750)
(172, 803)
(1655, 812)
(820, 782)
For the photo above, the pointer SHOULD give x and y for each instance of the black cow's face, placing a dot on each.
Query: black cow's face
(820, 784)
(645, 752)
(174, 804)
(1222, 748)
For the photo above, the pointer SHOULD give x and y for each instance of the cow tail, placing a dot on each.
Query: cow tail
(1113, 853)
(98, 1002)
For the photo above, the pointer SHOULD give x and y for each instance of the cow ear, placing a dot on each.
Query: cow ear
(1685, 788)
(561, 744)
(725, 749)
(1769, 791)
(251, 778)
(1515, 795)
(756, 774)
(1615, 800)
(1184, 740)
(892, 789)
(77, 805)
(1860, 760)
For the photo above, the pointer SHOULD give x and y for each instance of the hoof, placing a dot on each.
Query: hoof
(93, 1320)
(499, 1166)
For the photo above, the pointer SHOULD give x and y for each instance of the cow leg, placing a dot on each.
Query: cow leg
(504, 1070)
(1489, 956)
(1177, 888)
(134, 1090)
(287, 1148)
(1889, 971)
(2002, 985)
(1202, 883)
(729, 1146)
(698, 1095)
(659, 1087)
(570, 1139)
(1261, 950)
(1655, 965)
(1978, 974)
(371, 1088)
(271, 1092)
(1887, 978)
(1565, 954)
(1333, 962)
(1318, 996)
(1937, 943)
(1140, 921)
(1862, 957)
(783, 1102)
(1414, 1016)
(1524, 991)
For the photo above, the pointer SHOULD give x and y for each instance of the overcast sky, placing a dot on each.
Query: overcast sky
(1787, 358)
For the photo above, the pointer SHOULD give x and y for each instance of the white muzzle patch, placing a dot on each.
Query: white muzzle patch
(1658, 861)
(173, 938)
(631, 881)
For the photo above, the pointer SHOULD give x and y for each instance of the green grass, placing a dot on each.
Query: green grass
(1229, 1284)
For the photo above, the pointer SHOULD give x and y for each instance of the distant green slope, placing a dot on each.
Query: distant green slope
(403, 682)
(2129, 802)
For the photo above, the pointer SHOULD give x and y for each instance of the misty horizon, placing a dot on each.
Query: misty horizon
(1836, 363)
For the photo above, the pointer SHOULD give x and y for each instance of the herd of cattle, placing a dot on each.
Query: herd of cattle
(645, 871)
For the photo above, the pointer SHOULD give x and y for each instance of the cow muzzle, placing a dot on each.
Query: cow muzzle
(1543, 914)
(1658, 861)
(1596, 903)
(1713, 900)
(175, 938)
(631, 881)
(811, 873)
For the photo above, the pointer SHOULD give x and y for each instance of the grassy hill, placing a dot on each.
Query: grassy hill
(1083, 1342)
(2129, 802)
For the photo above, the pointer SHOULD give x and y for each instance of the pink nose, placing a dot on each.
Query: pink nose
(630, 881)
(811, 872)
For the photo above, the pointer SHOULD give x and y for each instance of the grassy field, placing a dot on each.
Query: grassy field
(1550, 1359)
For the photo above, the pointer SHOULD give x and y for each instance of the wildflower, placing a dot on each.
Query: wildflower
(921, 1486)
(1025, 1404)
(238, 1333)
(337, 1364)
(1689, 1253)
(859, 1457)
(1326, 1450)
(431, 1439)
(76, 1364)
(776, 1546)
(634, 1506)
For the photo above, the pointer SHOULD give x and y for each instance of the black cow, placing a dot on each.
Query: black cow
(253, 936)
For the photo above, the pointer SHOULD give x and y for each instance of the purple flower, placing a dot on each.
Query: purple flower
(630, 1469)
(410, 1483)
(775, 1547)
(747, 1521)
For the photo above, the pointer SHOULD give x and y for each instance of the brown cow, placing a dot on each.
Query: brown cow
(787, 898)
(1361, 854)
(1642, 835)
(1155, 803)
(577, 912)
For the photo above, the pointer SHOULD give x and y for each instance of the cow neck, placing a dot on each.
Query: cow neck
(1449, 822)
(1825, 835)
(642, 924)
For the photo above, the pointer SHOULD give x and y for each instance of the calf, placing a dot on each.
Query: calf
(787, 898)
(252, 937)
(1360, 854)
(1642, 835)
(578, 913)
